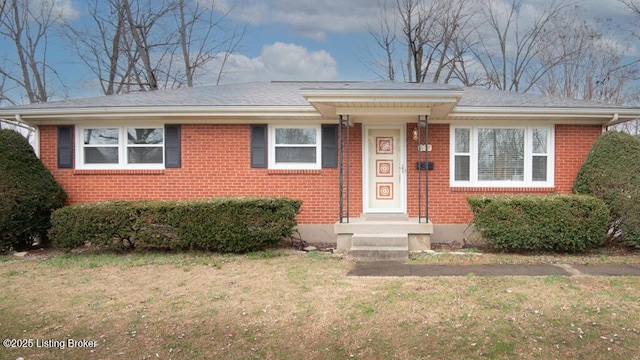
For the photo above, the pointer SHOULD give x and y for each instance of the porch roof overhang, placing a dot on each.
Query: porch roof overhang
(367, 103)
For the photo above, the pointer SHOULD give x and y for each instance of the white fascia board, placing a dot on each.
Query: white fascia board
(41, 116)
(337, 96)
(539, 112)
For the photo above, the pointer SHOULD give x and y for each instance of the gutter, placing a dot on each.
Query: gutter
(18, 122)
(39, 114)
(614, 121)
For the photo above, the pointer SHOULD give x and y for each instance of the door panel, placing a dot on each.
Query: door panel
(385, 170)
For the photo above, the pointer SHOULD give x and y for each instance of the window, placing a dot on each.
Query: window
(294, 147)
(144, 146)
(462, 155)
(121, 147)
(101, 146)
(501, 156)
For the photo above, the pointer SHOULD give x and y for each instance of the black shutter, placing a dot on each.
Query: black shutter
(258, 146)
(329, 146)
(172, 153)
(65, 146)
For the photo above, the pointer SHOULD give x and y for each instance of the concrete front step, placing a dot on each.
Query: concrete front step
(391, 246)
(380, 240)
(376, 253)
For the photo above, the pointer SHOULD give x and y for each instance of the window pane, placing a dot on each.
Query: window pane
(539, 168)
(462, 140)
(295, 155)
(144, 136)
(101, 155)
(539, 141)
(145, 155)
(295, 136)
(462, 163)
(501, 154)
(101, 136)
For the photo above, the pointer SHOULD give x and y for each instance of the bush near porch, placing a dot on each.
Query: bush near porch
(227, 225)
(564, 223)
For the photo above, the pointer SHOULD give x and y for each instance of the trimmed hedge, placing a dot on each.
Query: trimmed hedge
(228, 225)
(563, 223)
(611, 172)
(28, 193)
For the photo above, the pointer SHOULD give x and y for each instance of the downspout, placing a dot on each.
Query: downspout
(36, 134)
(613, 121)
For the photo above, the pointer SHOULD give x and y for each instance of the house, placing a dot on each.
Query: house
(380, 166)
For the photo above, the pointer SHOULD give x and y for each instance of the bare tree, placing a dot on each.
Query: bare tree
(204, 37)
(100, 46)
(432, 34)
(427, 31)
(28, 27)
(2, 6)
(384, 34)
(510, 43)
(592, 67)
(632, 5)
(145, 45)
(142, 19)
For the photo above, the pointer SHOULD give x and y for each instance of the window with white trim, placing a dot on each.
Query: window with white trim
(120, 147)
(498, 156)
(294, 147)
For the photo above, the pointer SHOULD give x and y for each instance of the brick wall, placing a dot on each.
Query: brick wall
(573, 144)
(216, 161)
(448, 205)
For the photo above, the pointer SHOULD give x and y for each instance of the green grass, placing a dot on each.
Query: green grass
(290, 305)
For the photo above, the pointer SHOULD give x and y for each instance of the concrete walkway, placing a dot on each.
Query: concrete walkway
(393, 268)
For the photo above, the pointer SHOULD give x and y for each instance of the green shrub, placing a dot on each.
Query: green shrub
(28, 193)
(564, 223)
(221, 224)
(611, 172)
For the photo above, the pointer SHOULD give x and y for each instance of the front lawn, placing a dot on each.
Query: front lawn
(282, 304)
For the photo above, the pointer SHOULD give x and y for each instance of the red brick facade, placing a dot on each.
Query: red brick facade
(448, 205)
(216, 161)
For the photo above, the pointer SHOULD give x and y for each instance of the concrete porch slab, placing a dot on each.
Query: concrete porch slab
(383, 225)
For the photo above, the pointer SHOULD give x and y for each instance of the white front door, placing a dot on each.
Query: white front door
(384, 169)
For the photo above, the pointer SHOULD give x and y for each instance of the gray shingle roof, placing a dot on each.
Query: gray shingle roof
(288, 94)
(496, 98)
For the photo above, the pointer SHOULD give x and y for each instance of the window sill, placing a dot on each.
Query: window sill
(119, 172)
(294, 172)
(484, 189)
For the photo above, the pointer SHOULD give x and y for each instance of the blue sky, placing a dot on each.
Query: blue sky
(289, 40)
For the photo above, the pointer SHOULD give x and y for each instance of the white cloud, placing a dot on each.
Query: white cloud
(61, 10)
(310, 18)
(277, 61)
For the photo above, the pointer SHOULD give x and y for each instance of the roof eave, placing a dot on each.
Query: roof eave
(43, 116)
(603, 115)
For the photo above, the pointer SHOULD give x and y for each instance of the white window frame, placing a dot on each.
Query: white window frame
(528, 158)
(122, 148)
(293, 165)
